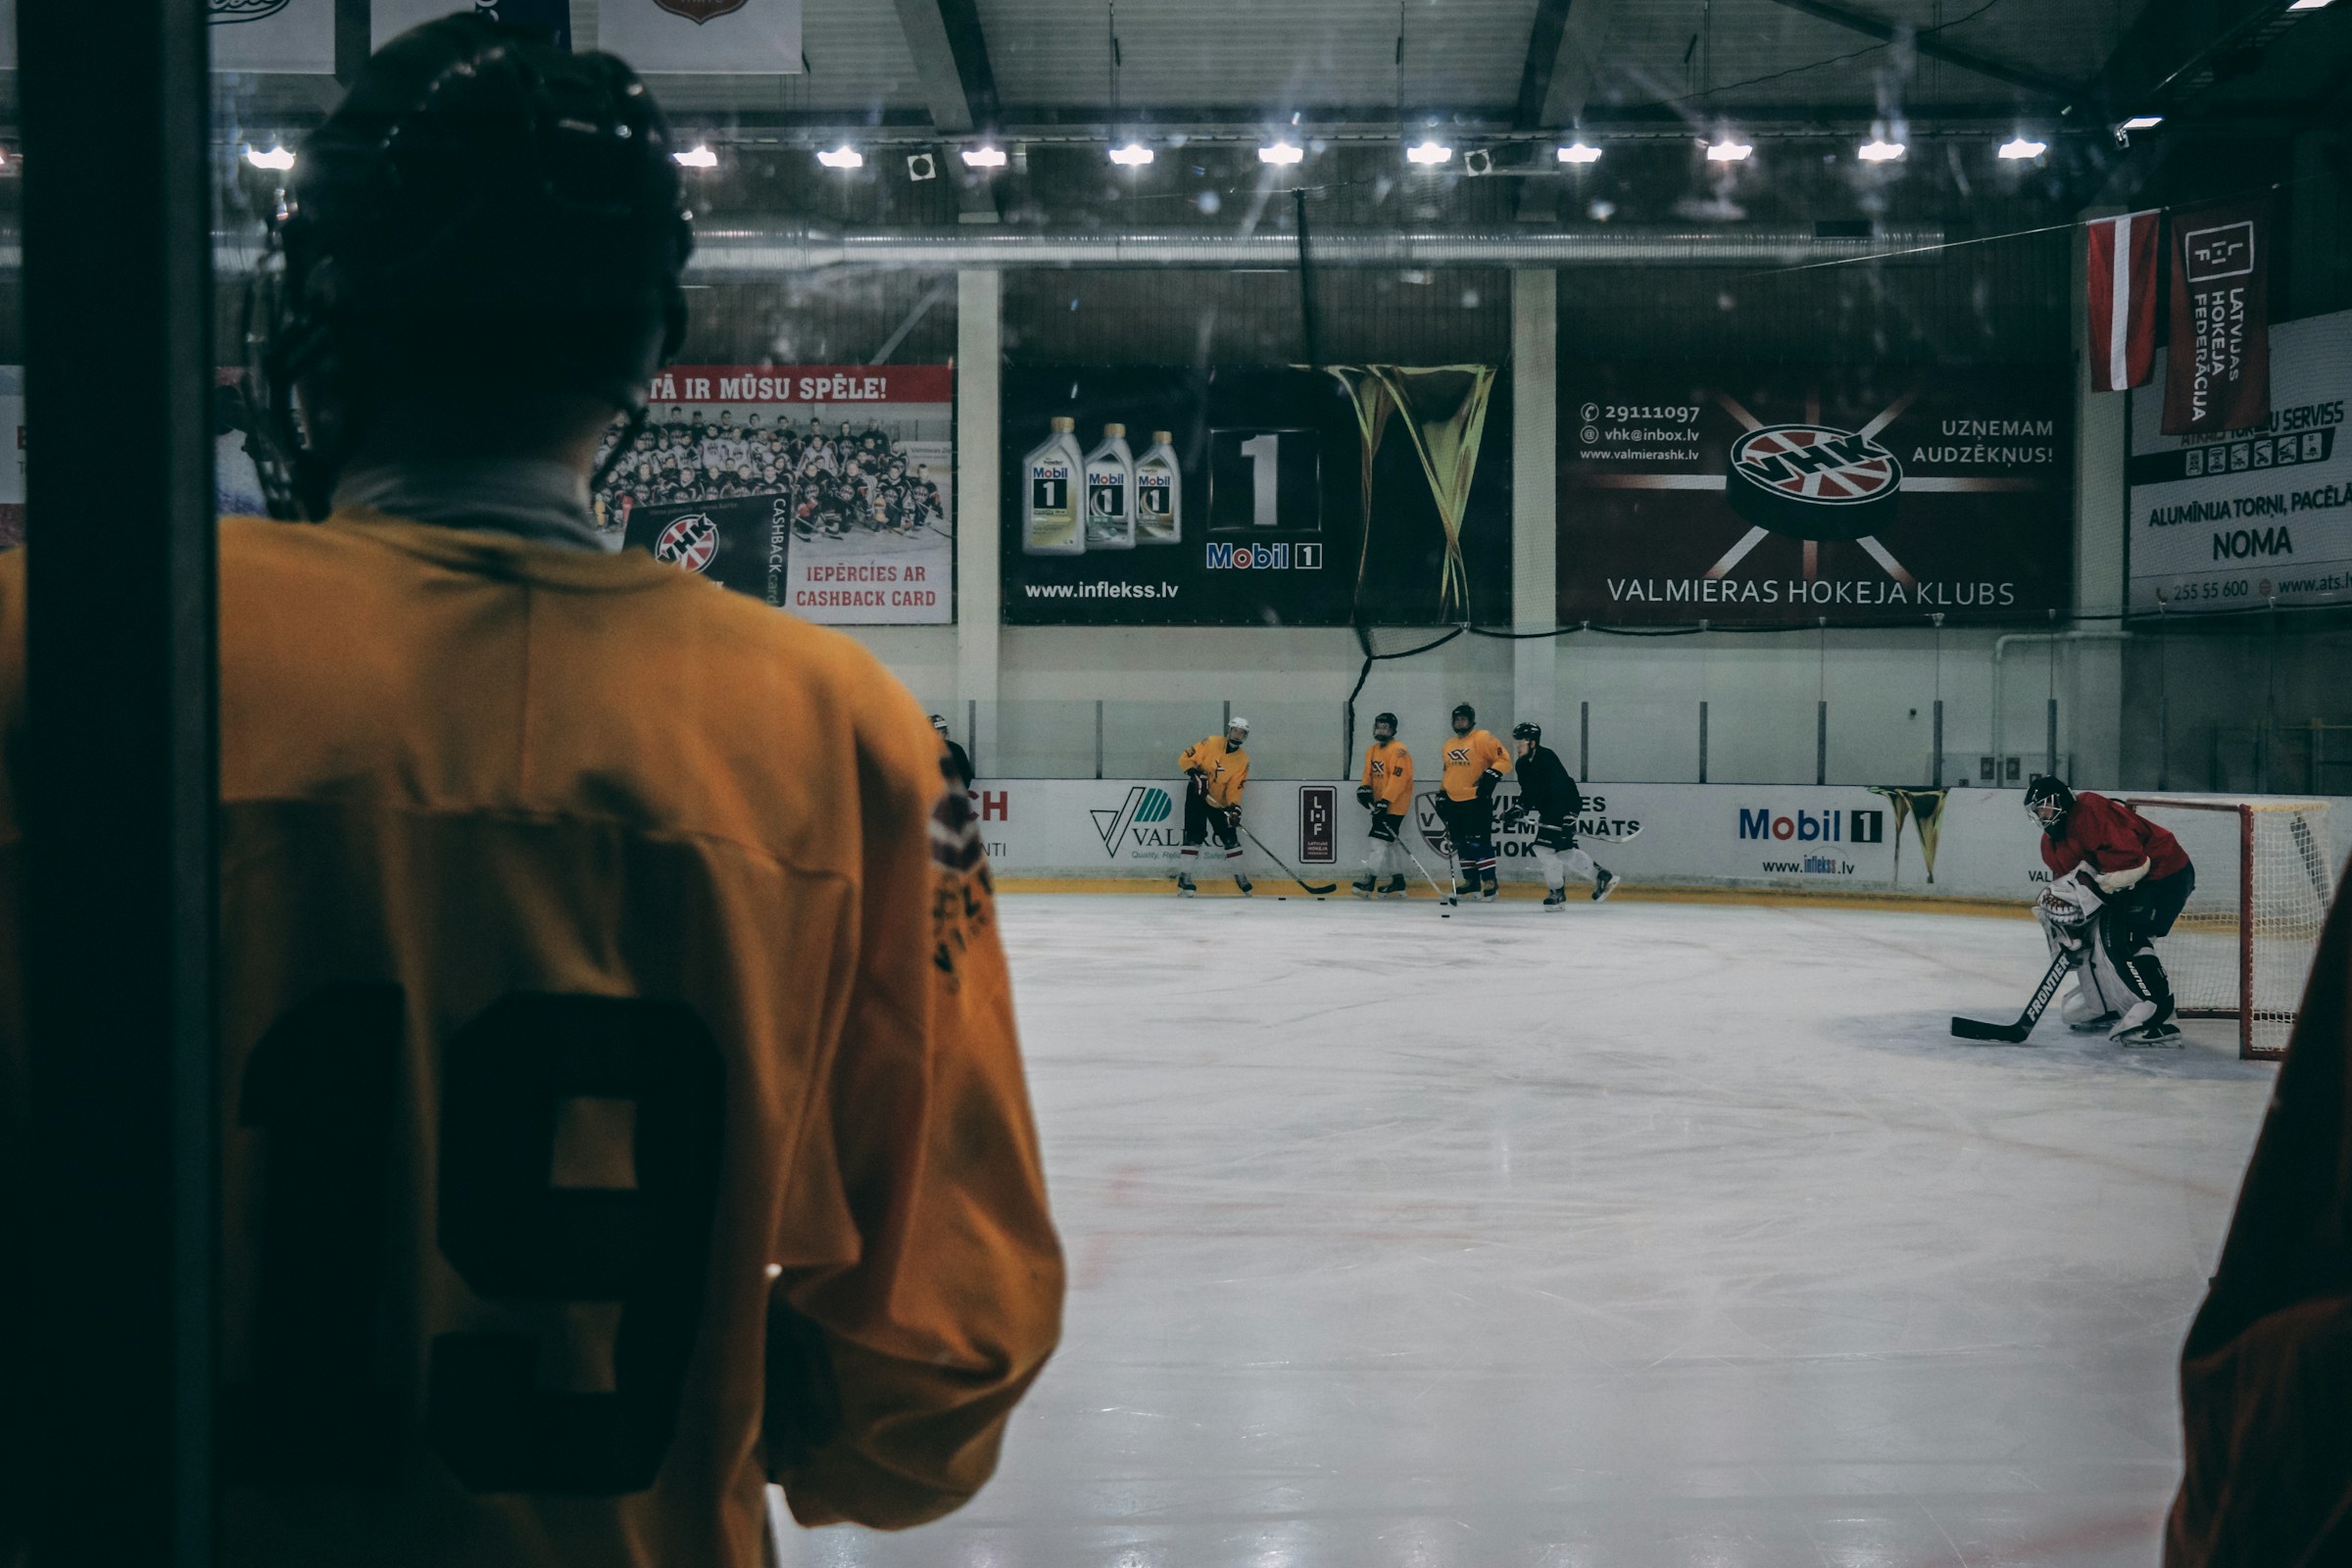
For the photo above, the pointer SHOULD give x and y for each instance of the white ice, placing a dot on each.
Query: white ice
(1640, 1234)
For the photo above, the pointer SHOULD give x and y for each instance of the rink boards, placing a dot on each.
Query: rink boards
(1826, 839)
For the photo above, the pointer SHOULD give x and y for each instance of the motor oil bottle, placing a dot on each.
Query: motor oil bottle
(1110, 493)
(1053, 504)
(1159, 494)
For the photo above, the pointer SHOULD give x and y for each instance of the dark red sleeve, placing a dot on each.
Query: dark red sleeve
(2105, 836)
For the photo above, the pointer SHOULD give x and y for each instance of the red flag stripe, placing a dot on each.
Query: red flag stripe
(2122, 279)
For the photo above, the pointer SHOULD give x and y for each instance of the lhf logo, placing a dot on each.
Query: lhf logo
(1319, 824)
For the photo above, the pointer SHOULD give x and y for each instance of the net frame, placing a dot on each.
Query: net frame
(2248, 813)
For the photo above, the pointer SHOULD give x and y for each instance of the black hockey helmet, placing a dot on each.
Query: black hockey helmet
(1527, 730)
(1463, 711)
(2050, 802)
(481, 197)
(1389, 719)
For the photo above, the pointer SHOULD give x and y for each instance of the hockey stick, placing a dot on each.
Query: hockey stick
(2015, 1033)
(1318, 889)
(1445, 894)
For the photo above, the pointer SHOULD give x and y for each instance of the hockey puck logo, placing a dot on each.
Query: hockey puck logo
(1813, 481)
(689, 543)
(699, 12)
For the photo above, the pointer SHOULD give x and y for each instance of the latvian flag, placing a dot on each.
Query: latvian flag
(2122, 300)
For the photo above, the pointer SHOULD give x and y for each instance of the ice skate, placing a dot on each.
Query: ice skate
(1184, 885)
(1363, 887)
(1604, 885)
(1396, 888)
(2151, 1034)
(1489, 890)
(1242, 882)
(1557, 899)
(2140, 1021)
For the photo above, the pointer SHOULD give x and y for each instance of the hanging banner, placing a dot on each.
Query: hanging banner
(2242, 519)
(702, 36)
(1279, 496)
(826, 490)
(296, 37)
(1781, 494)
(392, 18)
(2120, 268)
(2219, 368)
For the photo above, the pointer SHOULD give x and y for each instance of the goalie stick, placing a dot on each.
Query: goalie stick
(1318, 889)
(2015, 1033)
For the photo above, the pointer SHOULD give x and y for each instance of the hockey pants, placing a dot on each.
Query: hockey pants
(1471, 826)
(1561, 857)
(1202, 820)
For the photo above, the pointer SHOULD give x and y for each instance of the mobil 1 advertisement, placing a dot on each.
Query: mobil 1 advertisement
(1255, 496)
(2243, 518)
(1778, 495)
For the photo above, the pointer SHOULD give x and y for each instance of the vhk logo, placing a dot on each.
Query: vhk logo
(1265, 557)
(1146, 805)
(1814, 827)
(690, 542)
(1811, 481)
(1431, 825)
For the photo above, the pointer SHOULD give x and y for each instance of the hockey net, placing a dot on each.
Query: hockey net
(2243, 946)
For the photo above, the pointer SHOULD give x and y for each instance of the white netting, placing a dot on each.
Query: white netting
(2255, 916)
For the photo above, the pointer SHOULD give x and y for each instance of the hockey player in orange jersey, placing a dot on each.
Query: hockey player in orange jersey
(620, 1103)
(1214, 770)
(1475, 763)
(1386, 791)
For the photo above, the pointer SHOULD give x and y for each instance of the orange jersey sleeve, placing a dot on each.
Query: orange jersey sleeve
(1226, 768)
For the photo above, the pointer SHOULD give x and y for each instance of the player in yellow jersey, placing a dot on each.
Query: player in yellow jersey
(1475, 763)
(1386, 791)
(620, 1098)
(1215, 769)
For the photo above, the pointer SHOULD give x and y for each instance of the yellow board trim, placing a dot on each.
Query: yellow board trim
(1272, 887)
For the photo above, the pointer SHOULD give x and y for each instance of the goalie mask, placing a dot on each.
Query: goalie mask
(2050, 802)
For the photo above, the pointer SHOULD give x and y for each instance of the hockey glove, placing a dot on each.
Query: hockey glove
(2113, 882)
(1487, 782)
(1554, 836)
(1233, 818)
(1199, 778)
(1511, 819)
(1364, 797)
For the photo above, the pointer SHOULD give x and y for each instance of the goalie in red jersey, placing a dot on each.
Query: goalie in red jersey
(2117, 882)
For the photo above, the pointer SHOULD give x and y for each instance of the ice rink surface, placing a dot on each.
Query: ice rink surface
(1640, 1234)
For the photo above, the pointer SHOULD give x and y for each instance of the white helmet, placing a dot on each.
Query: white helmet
(1237, 722)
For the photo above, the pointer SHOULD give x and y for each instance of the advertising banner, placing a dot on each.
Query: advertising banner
(2218, 376)
(703, 35)
(1277, 496)
(826, 490)
(390, 19)
(289, 35)
(1976, 843)
(2237, 520)
(12, 462)
(1778, 495)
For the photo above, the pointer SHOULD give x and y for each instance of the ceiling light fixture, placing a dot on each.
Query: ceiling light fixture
(1728, 151)
(276, 158)
(1879, 150)
(2308, 5)
(984, 156)
(1579, 152)
(2143, 123)
(1427, 153)
(2019, 147)
(1134, 155)
(1282, 153)
(697, 156)
(843, 156)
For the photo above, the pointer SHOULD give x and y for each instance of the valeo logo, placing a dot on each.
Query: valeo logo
(1146, 804)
